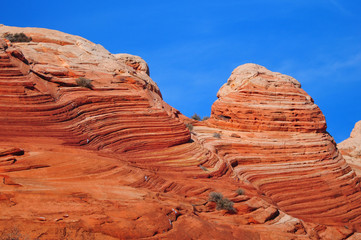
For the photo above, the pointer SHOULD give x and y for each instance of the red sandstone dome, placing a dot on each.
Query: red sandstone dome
(256, 99)
(114, 161)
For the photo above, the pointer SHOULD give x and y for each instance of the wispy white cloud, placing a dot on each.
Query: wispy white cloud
(326, 69)
(341, 8)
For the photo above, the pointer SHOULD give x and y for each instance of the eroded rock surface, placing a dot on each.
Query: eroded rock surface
(256, 99)
(136, 62)
(282, 147)
(351, 148)
(115, 161)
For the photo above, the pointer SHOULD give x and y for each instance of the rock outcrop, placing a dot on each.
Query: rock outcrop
(256, 99)
(351, 148)
(114, 161)
(136, 62)
(282, 147)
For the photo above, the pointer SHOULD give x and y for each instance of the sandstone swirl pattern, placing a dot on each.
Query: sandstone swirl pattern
(284, 149)
(114, 161)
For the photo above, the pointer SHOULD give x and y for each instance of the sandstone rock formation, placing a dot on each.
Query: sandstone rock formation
(283, 149)
(351, 148)
(136, 62)
(115, 161)
(255, 99)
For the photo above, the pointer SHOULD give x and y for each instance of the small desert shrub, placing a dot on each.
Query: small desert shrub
(225, 204)
(189, 126)
(215, 196)
(217, 135)
(221, 203)
(17, 37)
(240, 191)
(196, 117)
(12, 234)
(84, 82)
(205, 118)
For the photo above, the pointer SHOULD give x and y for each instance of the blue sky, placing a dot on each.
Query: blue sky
(193, 46)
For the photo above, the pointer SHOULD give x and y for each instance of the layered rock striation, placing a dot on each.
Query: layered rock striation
(351, 148)
(256, 99)
(112, 160)
(40, 96)
(282, 146)
(115, 146)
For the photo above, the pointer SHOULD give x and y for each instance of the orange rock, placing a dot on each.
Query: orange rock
(115, 161)
(256, 99)
(351, 148)
(309, 180)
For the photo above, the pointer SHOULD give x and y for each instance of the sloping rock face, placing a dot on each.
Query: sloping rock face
(285, 151)
(351, 148)
(43, 88)
(137, 63)
(114, 161)
(256, 99)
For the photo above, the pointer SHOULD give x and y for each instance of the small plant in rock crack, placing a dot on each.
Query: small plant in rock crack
(196, 117)
(17, 37)
(13, 234)
(189, 126)
(215, 196)
(84, 82)
(221, 202)
(217, 135)
(240, 191)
